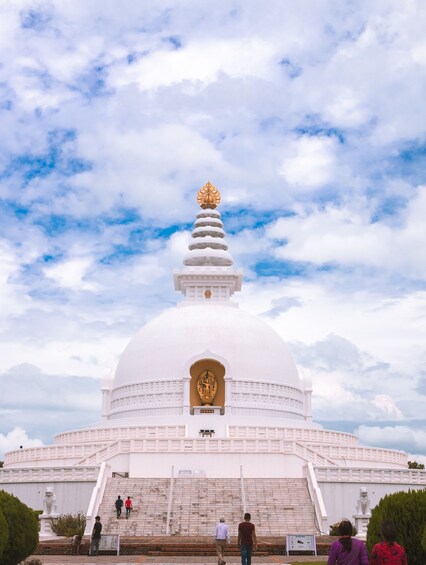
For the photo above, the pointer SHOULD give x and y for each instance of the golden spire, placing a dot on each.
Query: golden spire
(208, 196)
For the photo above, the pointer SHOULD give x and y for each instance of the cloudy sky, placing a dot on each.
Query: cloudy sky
(309, 116)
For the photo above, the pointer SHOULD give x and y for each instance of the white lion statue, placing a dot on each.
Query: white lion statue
(49, 502)
(363, 503)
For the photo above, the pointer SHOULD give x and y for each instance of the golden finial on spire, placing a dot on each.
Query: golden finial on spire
(208, 196)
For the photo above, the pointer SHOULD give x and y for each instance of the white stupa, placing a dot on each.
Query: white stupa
(207, 390)
(255, 376)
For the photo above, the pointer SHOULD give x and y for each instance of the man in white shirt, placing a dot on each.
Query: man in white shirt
(221, 539)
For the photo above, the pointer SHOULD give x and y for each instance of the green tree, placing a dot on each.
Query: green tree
(4, 533)
(23, 529)
(424, 539)
(408, 512)
(415, 465)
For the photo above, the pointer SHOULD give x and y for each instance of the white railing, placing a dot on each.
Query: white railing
(317, 499)
(207, 445)
(309, 454)
(313, 435)
(97, 495)
(361, 453)
(49, 474)
(49, 452)
(243, 491)
(107, 434)
(366, 475)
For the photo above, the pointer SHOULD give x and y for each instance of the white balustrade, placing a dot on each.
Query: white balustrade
(47, 474)
(113, 434)
(365, 475)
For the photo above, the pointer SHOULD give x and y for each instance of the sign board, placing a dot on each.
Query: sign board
(300, 542)
(207, 410)
(110, 542)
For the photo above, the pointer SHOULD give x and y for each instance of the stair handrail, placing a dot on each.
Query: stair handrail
(97, 495)
(170, 501)
(243, 492)
(316, 497)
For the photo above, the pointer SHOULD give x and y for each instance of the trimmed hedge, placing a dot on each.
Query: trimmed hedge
(407, 510)
(23, 529)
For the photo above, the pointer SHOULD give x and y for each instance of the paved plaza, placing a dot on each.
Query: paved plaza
(136, 559)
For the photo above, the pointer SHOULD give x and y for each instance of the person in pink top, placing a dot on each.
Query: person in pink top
(347, 550)
(388, 552)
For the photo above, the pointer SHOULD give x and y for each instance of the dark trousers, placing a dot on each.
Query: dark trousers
(94, 546)
(246, 551)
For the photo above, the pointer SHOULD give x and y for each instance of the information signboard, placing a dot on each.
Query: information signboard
(110, 542)
(301, 542)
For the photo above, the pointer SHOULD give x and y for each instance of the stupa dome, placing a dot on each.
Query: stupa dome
(166, 346)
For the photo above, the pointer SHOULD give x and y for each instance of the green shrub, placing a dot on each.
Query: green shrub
(23, 529)
(4, 533)
(408, 512)
(69, 524)
(424, 539)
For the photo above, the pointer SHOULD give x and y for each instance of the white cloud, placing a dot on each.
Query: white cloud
(199, 63)
(129, 164)
(345, 109)
(15, 439)
(309, 162)
(413, 439)
(388, 407)
(71, 274)
(326, 125)
(346, 236)
(11, 297)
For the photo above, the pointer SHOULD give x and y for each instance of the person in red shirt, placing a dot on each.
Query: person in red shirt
(388, 552)
(129, 506)
(247, 540)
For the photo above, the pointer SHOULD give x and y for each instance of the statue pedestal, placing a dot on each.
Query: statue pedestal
(46, 525)
(361, 525)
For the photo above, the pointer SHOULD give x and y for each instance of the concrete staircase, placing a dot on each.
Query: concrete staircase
(277, 506)
(199, 503)
(149, 514)
(280, 506)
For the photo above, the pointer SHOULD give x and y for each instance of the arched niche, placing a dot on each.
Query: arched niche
(219, 372)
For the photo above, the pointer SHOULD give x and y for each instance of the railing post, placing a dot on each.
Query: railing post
(170, 502)
(243, 492)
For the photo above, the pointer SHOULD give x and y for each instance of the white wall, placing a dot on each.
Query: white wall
(215, 465)
(71, 497)
(340, 498)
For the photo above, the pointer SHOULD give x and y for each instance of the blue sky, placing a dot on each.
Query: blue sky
(309, 117)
